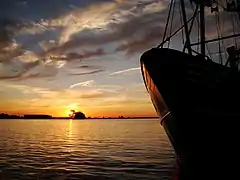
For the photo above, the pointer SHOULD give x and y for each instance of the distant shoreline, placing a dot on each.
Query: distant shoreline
(45, 116)
(55, 118)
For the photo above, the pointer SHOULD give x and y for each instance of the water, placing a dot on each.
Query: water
(84, 149)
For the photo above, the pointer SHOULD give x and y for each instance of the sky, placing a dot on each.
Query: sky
(60, 55)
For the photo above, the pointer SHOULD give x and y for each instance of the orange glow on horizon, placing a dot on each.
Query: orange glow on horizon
(65, 113)
(95, 111)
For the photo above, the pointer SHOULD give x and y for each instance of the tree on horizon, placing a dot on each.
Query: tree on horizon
(77, 115)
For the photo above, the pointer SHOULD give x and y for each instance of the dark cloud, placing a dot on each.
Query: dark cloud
(84, 55)
(138, 32)
(89, 67)
(14, 69)
(6, 35)
(17, 70)
(148, 40)
(133, 28)
(137, 27)
(44, 72)
(35, 10)
(23, 21)
(86, 73)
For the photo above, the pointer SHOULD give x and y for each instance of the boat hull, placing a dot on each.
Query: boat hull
(198, 104)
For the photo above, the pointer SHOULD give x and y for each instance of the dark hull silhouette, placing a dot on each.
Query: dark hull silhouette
(198, 103)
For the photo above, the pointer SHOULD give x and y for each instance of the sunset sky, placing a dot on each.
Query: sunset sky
(59, 55)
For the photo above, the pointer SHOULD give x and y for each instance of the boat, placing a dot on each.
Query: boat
(196, 96)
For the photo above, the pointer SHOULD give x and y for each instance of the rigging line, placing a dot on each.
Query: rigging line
(217, 39)
(198, 53)
(206, 45)
(181, 22)
(184, 15)
(198, 33)
(220, 29)
(237, 20)
(208, 50)
(202, 27)
(170, 31)
(219, 4)
(197, 17)
(225, 9)
(233, 29)
(168, 17)
(191, 25)
(218, 32)
(168, 38)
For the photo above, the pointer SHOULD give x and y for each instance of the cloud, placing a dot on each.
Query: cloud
(70, 94)
(40, 72)
(88, 67)
(15, 68)
(124, 22)
(148, 40)
(19, 70)
(133, 24)
(136, 25)
(76, 56)
(94, 16)
(85, 73)
(92, 95)
(17, 34)
(60, 35)
(86, 83)
(124, 71)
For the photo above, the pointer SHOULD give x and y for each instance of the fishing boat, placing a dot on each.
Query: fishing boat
(196, 93)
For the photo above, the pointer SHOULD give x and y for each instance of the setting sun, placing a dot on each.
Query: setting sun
(70, 108)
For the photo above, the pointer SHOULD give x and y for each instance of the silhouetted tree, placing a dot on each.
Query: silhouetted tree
(79, 115)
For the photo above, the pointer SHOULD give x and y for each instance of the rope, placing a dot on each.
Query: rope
(198, 33)
(218, 32)
(191, 25)
(199, 40)
(181, 22)
(172, 21)
(168, 38)
(237, 20)
(168, 17)
(235, 41)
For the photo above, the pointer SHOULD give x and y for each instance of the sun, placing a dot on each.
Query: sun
(71, 113)
(70, 109)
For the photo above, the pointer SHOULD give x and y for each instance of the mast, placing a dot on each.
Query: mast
(188, 44)
(202, 28)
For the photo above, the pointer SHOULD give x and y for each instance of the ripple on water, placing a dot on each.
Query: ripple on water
(84, 150)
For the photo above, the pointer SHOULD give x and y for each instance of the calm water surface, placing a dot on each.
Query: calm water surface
(85, 149)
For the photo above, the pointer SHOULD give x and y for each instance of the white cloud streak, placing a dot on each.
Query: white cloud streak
(85, 84)
(124, 71)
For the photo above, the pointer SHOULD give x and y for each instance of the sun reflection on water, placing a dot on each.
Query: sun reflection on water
(70, 136)
(70, 129)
